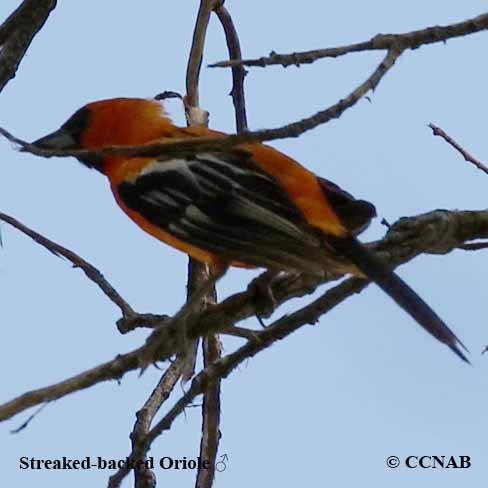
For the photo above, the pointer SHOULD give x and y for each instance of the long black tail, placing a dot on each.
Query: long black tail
(403, 295)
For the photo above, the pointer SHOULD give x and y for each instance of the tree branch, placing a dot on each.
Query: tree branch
(18, 31)
(219, 143)
(110, 370)
(405, 231)
(409, 40)
(222, 367)
(196, 52)
(209, 443)
(144, 477)
(238, 72)
(199, 273)
(437, 131)
(92, 273)
(437, 232)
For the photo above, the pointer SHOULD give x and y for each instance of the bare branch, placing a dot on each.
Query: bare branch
(178, 147)
(283, 327)
(17, 32)
(409, 40)
(138, 320)
(90, 271)
(437, 131)
(211, 343)
(209, 443)
(437, 232)
(238, 72)
(406, 231)
(196, 55)
(144, 477)
(199, 273)
(110, 370)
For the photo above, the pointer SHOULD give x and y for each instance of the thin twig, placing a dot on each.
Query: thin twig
(235, 331)
(144, 477)
(408, 40)
(437, 131)
(29, 419)
(141, 320)
(90, 271)
(196, 52)
(198, 275)
(238, 72)
(18, 31)
(209, 442)
(110, 370)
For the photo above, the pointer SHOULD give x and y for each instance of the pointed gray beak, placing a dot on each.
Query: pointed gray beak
(60, 139)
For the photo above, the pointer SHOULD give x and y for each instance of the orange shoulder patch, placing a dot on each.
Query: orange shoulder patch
(301, 185)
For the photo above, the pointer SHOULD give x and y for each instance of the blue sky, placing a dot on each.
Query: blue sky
(331, 402)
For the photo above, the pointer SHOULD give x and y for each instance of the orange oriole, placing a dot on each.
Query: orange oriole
(249, 206)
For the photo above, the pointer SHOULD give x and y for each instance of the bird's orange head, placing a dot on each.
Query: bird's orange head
(116, 121)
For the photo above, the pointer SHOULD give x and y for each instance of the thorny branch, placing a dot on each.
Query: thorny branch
(437, 232)
(18, 31)
(437, 131)
(409, 40)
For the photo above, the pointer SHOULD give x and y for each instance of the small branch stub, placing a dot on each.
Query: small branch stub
(437, 131)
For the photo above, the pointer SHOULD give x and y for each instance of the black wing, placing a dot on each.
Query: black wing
(224, 203)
